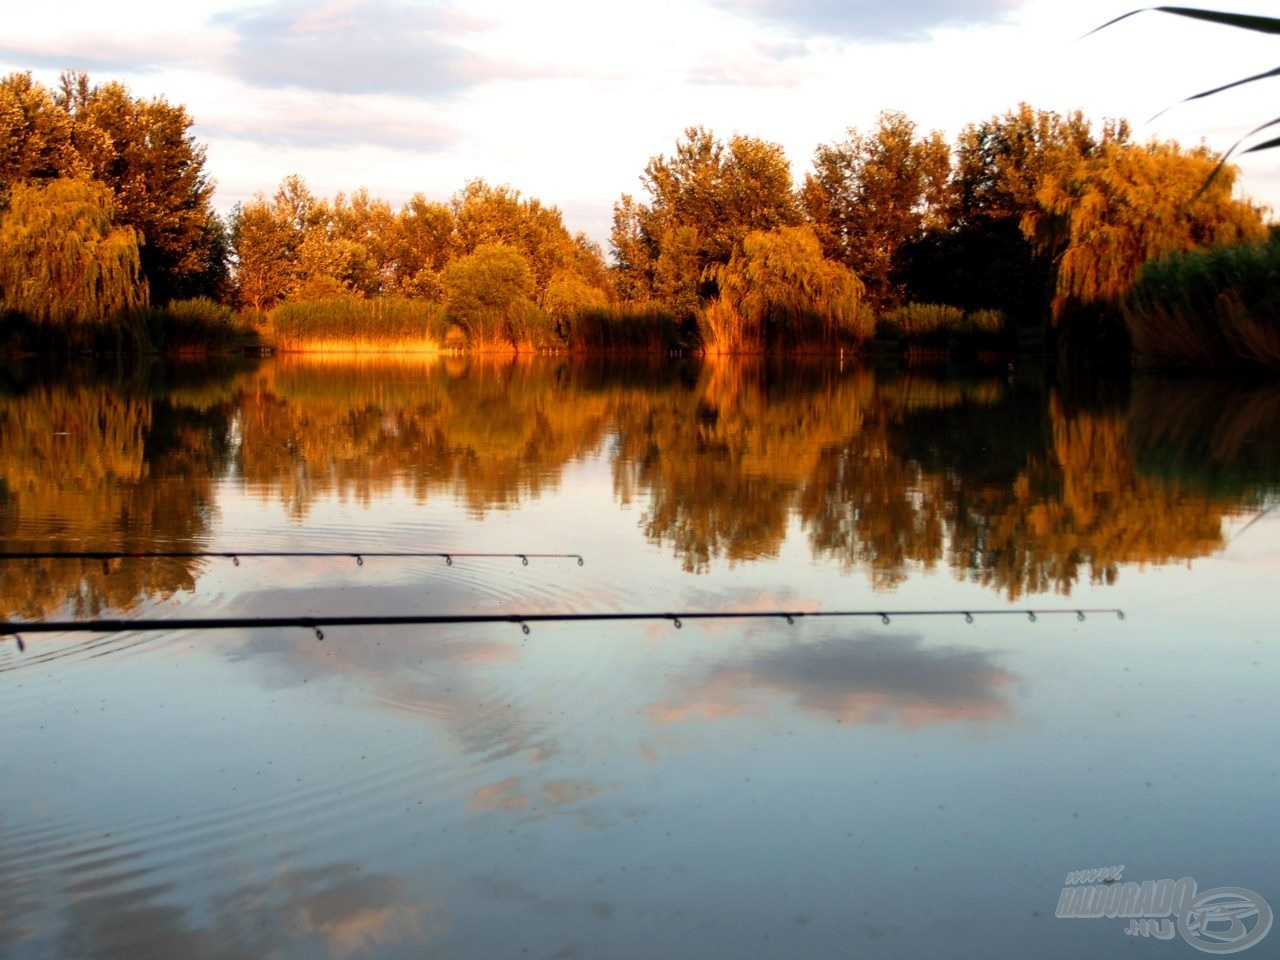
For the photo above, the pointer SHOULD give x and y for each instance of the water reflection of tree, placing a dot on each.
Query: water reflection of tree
(86, 465)
(724, 461)
(884, 473)
(1018, 495)
(492, 433)
(1075, 508)
(1080, 510)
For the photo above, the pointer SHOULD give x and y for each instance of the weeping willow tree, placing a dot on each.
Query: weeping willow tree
(777, 288)
(63, 262)
(1108, 214)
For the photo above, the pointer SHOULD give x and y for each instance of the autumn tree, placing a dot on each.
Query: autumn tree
(982, 258)
(344, 248)
(144, 151)
(267, 237)
(35, 134)
(634, 250)
(1112, 211)
(486, 292)
(703, 200)
(422, 243)
(778, 289)
(64, 260)
(484, 215)
(365, 226)
(871, 193)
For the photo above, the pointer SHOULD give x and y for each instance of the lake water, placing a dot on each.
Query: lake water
(731, 788)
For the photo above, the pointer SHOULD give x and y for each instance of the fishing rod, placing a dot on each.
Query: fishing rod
(234, 555)
(317, 624)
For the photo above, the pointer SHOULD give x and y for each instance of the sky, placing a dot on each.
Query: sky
(566, 100)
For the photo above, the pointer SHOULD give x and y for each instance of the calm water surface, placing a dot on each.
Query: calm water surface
(919, 789)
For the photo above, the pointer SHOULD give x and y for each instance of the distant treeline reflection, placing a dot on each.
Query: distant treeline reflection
(1003, 482)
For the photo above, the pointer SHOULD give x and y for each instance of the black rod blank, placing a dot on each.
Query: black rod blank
(15, 628)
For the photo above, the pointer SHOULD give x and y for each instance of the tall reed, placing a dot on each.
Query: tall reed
(1210, 309)
(941, 322)
(197, 325)
(352, 323)
(631, 328)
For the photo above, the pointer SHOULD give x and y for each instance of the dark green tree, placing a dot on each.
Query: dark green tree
(145, 152)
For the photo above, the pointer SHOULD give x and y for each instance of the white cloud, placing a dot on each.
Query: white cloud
(353, 46)
(318, 122)
(112, 53)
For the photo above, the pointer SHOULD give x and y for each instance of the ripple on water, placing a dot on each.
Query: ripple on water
(119, 848)
(471, 686)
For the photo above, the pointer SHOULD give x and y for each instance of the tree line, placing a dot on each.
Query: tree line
(1041, 218)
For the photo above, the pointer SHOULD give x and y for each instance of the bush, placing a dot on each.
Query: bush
(488, 295)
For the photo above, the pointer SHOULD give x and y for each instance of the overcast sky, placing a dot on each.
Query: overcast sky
(567, 99)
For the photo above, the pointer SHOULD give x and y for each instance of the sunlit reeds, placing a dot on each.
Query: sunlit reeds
(350, 324)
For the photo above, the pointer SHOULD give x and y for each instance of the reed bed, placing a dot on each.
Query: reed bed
(940, 322)
(633, 328)
(1214, 309)
(352, 325)
(358, 345)
(197, 326)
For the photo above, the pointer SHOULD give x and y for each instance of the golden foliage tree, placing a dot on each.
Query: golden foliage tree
(63, 259)
(778, 288)
(487, 291)
(265, 244)
(704, 199)
(486, 215)
(872, 193)
(1002, 163)
(144, 151)
(35, 133)
(1112, 211)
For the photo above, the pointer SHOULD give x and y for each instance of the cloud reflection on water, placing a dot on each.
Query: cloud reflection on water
(864, 679)
(339, 909)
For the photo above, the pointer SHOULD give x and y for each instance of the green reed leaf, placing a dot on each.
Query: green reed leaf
(1244, 21)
